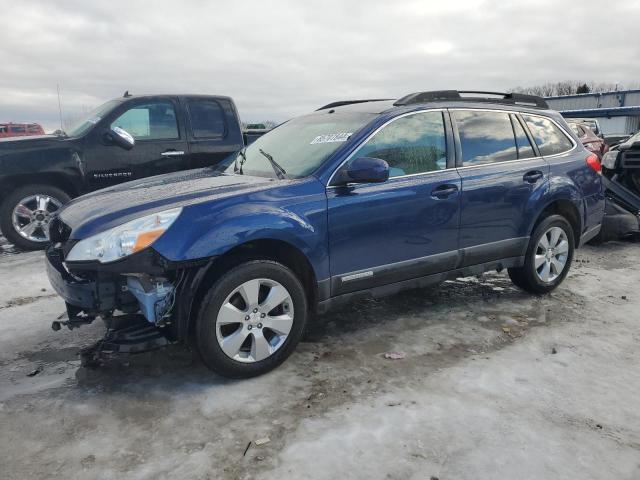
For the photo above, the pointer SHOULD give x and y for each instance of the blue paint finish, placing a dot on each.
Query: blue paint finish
(291, 211)
(356, 227)
(377, 224)
(495, 198)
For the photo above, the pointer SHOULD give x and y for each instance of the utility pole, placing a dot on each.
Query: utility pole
(59, 106)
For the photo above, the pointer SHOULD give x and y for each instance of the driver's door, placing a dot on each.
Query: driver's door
(160, 147)
(406, 227)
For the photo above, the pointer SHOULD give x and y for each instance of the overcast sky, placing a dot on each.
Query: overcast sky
(278, 59)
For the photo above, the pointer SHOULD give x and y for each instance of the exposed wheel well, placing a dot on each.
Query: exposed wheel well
(275, 250)
(569, 211)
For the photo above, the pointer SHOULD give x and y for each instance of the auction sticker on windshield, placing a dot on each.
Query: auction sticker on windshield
(331, 138)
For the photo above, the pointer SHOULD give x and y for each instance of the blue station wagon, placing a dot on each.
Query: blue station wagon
(357, 198)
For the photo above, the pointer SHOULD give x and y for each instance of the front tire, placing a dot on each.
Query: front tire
(548, 258)
(26, 212)
(251, 319)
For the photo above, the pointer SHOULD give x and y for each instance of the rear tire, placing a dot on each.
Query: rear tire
(541, 272)
(31, 214)
(251, 319)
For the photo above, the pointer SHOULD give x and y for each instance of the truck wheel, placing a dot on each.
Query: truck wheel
(548, 256)
(251, 319)
(25, 215)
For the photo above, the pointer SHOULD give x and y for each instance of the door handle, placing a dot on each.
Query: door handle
(533, 176)
(444, 191)
(172, 153)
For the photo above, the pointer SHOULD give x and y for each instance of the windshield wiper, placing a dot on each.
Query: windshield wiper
(280, 172)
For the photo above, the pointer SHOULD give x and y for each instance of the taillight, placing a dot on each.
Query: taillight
(594, 162)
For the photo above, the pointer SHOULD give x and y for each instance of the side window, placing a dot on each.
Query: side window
(18, 129)
(525, 150)
(412, 144)
(151, 121)
(547, 135)
(485, 137)
(207, 118)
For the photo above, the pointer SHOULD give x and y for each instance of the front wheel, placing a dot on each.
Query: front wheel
(26, 212)
(548, 258)
(251, 319)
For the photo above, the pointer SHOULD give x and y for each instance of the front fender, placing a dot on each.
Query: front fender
(295, 215)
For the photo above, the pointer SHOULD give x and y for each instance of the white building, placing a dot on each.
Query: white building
(618, 113)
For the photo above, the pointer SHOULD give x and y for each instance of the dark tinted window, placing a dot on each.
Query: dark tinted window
(485, 137)
(525, 150)
(207, 118)
(547, 135)
(151, 121)
(18, 129)
(412, 144)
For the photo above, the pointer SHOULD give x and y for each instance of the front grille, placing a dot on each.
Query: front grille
(631, 160)
(59, 232)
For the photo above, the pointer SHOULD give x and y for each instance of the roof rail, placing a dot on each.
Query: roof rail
(475, 96)
(350, 102)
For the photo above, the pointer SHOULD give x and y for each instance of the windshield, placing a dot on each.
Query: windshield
(297, 148)
(93, 117)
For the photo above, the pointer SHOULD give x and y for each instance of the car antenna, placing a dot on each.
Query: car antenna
(126, 94)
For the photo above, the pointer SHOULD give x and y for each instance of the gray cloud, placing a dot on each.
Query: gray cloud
(279, 59)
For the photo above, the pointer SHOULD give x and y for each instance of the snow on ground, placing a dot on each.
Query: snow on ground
(495, 384)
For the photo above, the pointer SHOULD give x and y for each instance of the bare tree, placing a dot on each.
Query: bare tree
(570, 87)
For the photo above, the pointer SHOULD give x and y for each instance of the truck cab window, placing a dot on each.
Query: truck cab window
(207, 119)
(151, 121)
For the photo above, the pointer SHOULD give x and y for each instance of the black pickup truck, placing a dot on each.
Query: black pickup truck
(170, 132)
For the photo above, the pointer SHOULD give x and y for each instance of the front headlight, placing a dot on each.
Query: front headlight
(123, 240)
(609, 159)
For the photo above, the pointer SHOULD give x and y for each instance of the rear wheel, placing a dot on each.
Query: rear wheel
(251, 319)
(548, 258)
(26, 212)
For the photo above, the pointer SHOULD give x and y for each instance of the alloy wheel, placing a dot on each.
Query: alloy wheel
(32, 214)
(551, 254)
(254, 321)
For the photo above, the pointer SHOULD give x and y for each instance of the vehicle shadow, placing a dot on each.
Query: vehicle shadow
(176, 367)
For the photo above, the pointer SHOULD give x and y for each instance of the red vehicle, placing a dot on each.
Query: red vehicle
(590, 140)
(20, 129)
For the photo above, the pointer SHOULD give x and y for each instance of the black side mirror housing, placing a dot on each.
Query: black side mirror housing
(363, 170)
(120, 137)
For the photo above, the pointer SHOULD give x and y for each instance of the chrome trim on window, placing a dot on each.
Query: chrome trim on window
(363, 143)
(514, 112)
(564, 131)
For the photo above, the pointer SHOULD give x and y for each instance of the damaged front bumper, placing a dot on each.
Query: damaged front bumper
(92, 290)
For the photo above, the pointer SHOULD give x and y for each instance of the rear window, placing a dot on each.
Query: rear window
(207, 119)
(549, 138)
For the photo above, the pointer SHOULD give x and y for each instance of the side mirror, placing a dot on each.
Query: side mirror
(120, 137)
(363, 170)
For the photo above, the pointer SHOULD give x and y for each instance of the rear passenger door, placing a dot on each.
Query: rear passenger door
(501, 174)
(212, 136)
(406, 227)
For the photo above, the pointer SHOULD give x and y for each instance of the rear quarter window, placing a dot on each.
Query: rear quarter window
(549, 138)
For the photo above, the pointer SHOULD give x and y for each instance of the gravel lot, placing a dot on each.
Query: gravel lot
(495, 384)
